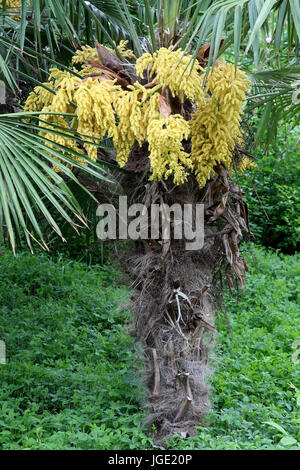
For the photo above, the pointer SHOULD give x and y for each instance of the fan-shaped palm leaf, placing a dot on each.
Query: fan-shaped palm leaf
(29, 185)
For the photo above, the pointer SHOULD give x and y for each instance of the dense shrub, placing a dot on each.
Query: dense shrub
(272, 192)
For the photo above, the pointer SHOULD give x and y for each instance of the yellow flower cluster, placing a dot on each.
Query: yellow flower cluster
(140, 120)
(39, 98)
(62, 83)
(215, 125)
(95, 114)
(167, 156)
(88, 70)
(65, 89)
(246, 164)
(54, 122)
(11, 3)
(126, 53)
(103, 108)
(84, 54)
(174, 71)
(132, 122)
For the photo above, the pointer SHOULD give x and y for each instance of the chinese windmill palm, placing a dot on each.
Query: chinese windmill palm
(176, 127)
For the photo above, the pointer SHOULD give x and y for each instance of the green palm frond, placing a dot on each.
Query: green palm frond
(30, 190)
(245, 24)
(277, 92)
(53, 26)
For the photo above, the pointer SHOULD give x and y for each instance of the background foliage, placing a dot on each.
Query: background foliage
(272, 191)
(72, 367)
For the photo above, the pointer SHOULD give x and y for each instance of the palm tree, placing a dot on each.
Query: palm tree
(177, 289)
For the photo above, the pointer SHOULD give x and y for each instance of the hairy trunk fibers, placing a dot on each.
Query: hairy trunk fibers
(175, 302)
(174, 321)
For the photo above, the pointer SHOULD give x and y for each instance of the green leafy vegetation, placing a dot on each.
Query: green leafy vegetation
(272, 192)
(71, 370)
(71, 380)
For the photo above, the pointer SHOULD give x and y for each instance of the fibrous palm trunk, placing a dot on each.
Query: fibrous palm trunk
(176, 299)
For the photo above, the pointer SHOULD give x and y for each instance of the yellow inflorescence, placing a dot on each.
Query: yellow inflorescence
(95, 114)
(246, 164)
(131, 117)
(140, 120)
(84, 54)
(126, 53)
(39, 98)
(167, 156)
(127, 115)
(69, 142)
(174, 71)
(215, 125)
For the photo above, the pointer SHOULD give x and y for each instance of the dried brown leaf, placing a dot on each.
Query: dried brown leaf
(164, 107)
(239, 269)
(227, 247)
(110, 74)
(221, 207)
(108, 58)
(230, 280)
(203, 53)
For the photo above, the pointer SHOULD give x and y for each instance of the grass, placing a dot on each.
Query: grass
(71, 380)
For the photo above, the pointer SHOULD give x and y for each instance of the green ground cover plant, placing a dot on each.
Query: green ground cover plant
(72, 365)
